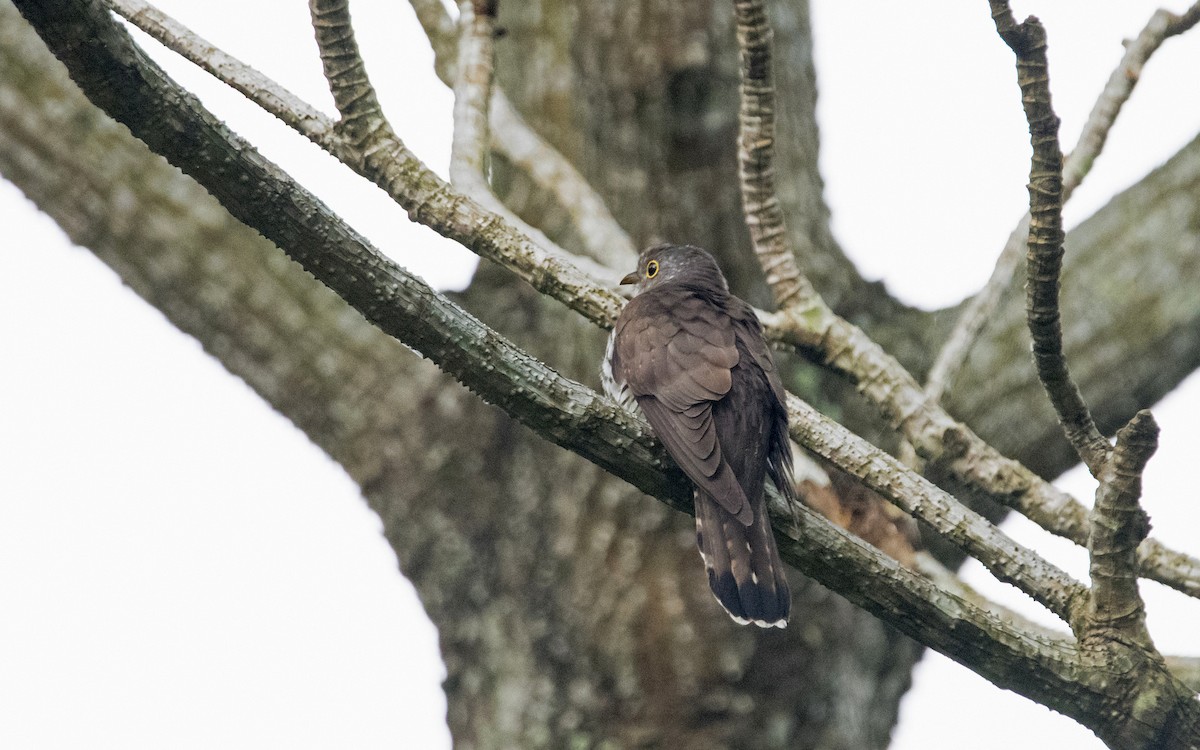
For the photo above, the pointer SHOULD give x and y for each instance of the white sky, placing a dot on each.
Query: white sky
(180, 567)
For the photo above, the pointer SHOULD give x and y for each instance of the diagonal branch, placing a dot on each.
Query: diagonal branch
(1028, 41)
(258, 88)
(1008, 561)
(392, 167)
(473, 89)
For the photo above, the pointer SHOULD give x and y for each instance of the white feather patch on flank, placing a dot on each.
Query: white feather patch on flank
(618, 392)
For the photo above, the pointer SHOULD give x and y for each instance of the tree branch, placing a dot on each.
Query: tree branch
(1161, 26)
(601, 236)
(472, 95)
(1118, 526)
(473, 89)
(1028, 42)
(756, 154)
(258, 88)
(426, 197)
(1004, 558)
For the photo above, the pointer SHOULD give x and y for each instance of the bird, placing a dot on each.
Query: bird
(692, 358)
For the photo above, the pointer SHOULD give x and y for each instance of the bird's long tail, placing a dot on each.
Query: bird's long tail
(744, 569)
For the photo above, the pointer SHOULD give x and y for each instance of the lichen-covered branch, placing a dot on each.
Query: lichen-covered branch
(1162, 26)
(471, 142)
(1004, 558)
(1045, 246)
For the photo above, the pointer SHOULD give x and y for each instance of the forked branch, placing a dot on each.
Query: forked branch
(979, 309)
(1119, 524)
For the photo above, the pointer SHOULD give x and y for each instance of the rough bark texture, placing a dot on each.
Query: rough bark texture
(572, 610)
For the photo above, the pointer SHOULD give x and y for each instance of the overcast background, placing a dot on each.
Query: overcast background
(180, 567)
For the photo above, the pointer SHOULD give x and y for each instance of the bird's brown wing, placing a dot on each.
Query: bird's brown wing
(675, 352)
(779, 451)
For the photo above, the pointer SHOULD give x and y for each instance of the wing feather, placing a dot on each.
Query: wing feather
(677, 361)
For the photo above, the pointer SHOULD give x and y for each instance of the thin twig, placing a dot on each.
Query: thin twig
(258, 88)
(1028, 41)
(1119, 524)
(756, 154)
(978, 311)
(601, 237)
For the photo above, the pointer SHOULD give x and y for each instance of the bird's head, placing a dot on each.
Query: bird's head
(676, 264)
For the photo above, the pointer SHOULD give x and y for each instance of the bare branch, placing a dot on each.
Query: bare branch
(1004, 558)
(1028, 41)
(976, 314)
(472, 93)
(951, 446)
(395, 169)
(353, 94)
(1119, 524)
(948, 580)
(258, 88)
(1161, 26)
(756, 154)
(602, 237)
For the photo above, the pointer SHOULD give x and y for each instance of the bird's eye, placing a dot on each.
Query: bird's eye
(652, 269)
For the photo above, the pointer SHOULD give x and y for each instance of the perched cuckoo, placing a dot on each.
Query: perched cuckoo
(692, 357)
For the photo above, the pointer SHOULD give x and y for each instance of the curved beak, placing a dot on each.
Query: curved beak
(630, 278)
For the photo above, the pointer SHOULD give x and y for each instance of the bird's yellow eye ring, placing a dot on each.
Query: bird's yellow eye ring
(652, 269)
